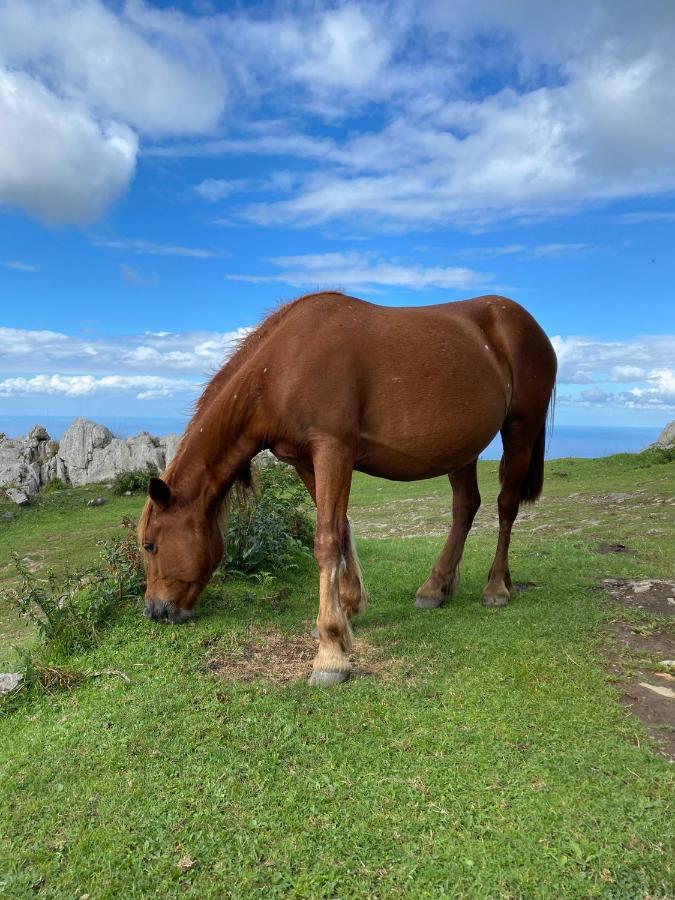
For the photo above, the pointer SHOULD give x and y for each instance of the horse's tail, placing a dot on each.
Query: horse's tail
(533, 482)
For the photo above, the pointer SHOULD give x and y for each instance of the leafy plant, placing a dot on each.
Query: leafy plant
(68, 612)
(269, 526)
(134, 481)
(54, 484)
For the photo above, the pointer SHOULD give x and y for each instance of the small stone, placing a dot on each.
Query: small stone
(657, 689)
(7, 516)
(668, 663)
(9, 681)
(127, 493)
(17, 496)
(96, 501)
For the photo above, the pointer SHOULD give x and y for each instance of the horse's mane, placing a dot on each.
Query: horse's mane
(245, 348)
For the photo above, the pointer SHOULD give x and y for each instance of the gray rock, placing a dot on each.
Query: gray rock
(7, 516)
(88, 453)
(17, 496)
(38, 433)
(124, 455)
(78, 446)
(9, 681)
(666, 439)
(97, 501)
(266, 458)
(169, 444)
(20, 462)
(22, 476)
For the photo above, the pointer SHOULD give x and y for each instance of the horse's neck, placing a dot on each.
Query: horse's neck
(217, 446)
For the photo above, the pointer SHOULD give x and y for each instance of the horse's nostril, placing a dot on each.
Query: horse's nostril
(177, 616)
(155, 609)
(163, 609)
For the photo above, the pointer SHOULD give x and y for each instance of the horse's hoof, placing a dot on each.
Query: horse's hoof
(428, 602)
(496, 602)
(327, 679)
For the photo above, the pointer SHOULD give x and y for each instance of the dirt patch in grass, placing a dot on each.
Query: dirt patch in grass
(605, 548)
(269, 655)
(653, 595)
(653, 644)
(636, 653)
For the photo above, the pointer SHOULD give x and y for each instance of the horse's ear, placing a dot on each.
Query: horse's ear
(159, 492)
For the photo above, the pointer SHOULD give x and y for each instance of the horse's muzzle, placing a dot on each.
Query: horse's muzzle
(165, 610)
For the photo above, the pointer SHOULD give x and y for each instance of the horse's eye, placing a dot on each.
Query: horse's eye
(149, 547)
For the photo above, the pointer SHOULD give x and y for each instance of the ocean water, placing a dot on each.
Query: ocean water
(565, 440)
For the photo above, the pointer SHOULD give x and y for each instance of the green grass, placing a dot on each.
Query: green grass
(497, 763)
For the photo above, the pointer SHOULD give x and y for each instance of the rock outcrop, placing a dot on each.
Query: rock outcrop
(28, 462)
(88, 452)
(666, 439)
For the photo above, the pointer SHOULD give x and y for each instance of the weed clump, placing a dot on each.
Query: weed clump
(54, 484)
(269, 526)
(135, 481)
(67, 613)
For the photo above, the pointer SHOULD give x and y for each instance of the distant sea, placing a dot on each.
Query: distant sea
(566, 440)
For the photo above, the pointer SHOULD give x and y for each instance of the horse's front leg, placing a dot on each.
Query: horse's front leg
(333, 475)
(353, 594)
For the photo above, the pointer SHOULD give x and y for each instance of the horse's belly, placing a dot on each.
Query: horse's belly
(410, 452)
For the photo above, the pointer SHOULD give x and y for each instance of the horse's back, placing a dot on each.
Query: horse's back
(417, 390)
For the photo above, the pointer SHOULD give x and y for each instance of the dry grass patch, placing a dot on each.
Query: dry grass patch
(272, 656)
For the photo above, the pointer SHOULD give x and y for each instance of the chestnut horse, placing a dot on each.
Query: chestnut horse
(331, 384)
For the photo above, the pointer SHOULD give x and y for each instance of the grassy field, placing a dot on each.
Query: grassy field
(488, 756)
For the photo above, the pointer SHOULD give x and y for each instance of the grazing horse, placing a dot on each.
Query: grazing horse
(331, 384)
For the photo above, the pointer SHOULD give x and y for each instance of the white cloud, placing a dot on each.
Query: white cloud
(656, 392)
(349, 48)
(131, 275)
(543, 151)
(18, 265)
(155, 70)
(150, 248)
(584, 360)
(56, 161)
(199, 352)
(362, 270)
(645, 363)
(214, 189)
(588, 115)
(626, 373)
(639, 218)
(583, 108)
(561, 249)
(144, 387)
(78, 83)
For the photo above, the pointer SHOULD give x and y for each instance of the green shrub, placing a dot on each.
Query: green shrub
(269, 526)
(54, 484)
(68, 612)
(135, 481)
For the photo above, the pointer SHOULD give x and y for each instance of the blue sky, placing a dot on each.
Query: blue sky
(168, 173)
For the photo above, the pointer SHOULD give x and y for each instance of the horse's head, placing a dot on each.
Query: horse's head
(182, 545)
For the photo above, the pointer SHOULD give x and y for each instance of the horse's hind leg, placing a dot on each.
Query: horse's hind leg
(444, 576)
(333, 473)
(353, 594)
(521, 466)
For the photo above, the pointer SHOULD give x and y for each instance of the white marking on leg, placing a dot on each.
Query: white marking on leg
(363, 603)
